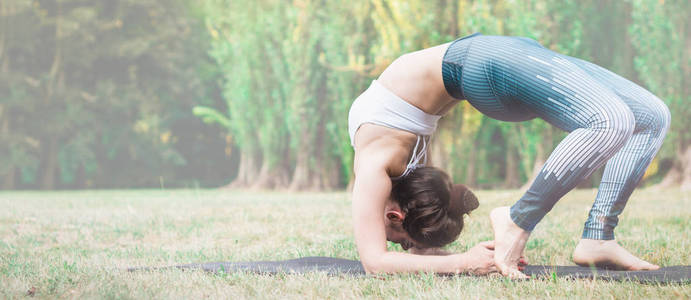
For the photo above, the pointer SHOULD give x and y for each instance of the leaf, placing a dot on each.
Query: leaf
(210, 115)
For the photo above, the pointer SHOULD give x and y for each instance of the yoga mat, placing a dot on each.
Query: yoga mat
(338, 266)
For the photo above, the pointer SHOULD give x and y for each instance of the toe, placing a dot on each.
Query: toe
(516, 274)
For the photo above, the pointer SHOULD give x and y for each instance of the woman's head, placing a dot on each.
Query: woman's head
(431, 207)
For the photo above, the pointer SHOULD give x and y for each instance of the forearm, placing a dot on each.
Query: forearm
(429, 251)
(400, 262)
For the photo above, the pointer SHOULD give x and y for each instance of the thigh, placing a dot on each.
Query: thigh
(646, 107)
(484, 81)
(556, 89)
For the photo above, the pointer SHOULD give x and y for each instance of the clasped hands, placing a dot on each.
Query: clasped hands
(478, 260)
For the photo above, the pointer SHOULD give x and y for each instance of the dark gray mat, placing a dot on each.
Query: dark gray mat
(339, 266)
(671, 274)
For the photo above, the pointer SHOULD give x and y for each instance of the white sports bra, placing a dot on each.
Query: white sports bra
(378, 105)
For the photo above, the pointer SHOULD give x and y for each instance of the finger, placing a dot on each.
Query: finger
(522, 262)
(487, 244)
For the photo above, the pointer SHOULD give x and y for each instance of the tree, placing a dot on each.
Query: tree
(661, 35)
(92, 92)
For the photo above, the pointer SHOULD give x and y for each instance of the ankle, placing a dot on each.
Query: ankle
(594, 242)
(597, 234)
(519, 219)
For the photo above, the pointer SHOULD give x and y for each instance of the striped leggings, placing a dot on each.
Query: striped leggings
(609, 119)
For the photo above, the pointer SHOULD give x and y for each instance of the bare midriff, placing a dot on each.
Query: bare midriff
(415, 77)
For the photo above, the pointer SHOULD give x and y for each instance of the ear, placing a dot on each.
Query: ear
(395, 216)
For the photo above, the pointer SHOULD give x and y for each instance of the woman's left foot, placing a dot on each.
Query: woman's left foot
(609, 254)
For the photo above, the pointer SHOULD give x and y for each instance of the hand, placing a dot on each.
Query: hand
(479, 260)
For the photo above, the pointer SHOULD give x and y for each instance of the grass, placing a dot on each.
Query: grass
(75, 244)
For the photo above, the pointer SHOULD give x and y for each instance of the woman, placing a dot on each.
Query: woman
(609, 119)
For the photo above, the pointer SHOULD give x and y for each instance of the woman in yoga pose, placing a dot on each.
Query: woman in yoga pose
(610, 121)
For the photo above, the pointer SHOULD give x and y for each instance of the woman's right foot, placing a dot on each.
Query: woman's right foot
(509, 242)
(608, 254)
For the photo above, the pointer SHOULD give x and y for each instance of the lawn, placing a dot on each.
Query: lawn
(76, 244)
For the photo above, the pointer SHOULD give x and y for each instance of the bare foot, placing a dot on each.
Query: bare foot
(609, 254)
(509, 242)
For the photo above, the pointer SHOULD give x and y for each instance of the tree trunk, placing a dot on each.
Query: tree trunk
(540, 158)
(680, 173)
(270, 177)
(301, 174)
(511, 174)
(436, 156)
(537, 166)
(453, 30)
(325, 175)
(672, 178)
(247, 170)
(80, 178)
(685, 182)
(272, 174)
(8, 181)
(4, 23)
(50, 143)
(264, 178)
(321, 176)
(470, 171)
(50, 163)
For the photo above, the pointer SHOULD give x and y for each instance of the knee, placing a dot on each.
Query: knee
(655, 118)
(662, 118)
(617, 124)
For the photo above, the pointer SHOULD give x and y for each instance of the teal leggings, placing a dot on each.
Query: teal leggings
(610, 120)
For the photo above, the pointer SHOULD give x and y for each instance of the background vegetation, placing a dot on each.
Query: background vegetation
(103, 94)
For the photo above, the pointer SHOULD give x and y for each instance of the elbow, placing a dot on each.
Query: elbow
(371, 269)
(372, 264)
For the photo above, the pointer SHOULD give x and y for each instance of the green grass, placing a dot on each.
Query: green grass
(77, 244)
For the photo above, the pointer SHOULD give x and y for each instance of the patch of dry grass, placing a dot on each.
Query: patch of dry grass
(76, 245)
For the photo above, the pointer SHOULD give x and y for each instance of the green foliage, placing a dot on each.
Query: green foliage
(95, 94)
(315, 44)
(661, 36)
(210, 115)
(116, 93)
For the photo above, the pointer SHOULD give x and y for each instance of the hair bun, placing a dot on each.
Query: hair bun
(462, 199)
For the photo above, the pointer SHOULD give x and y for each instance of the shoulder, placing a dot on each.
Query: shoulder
(380, 155)
(372, 160)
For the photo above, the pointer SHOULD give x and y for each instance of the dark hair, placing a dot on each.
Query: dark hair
(433, 205)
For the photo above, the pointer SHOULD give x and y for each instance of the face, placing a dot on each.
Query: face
(396, 234)
(393, 226)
